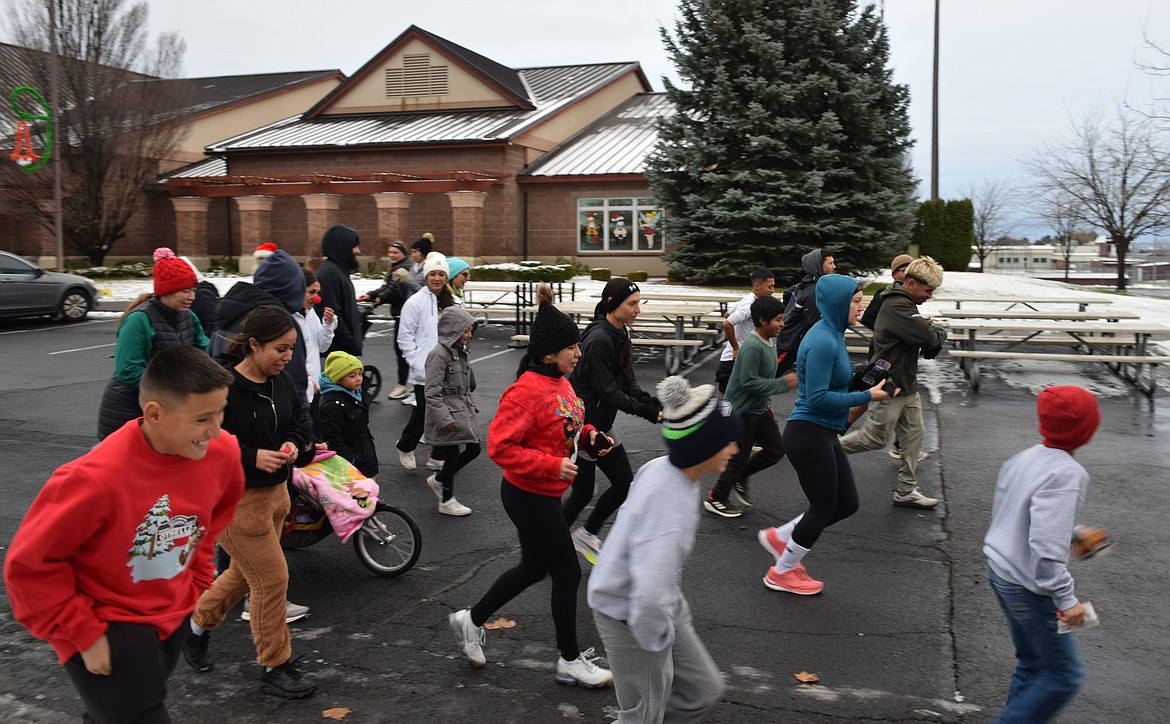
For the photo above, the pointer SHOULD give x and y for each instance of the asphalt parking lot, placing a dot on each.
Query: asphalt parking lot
(905, 631)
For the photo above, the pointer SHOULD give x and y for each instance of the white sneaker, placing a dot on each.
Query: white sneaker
(292, 611)
(587, 544)
(399, 392)
(914, 499)
(451, 506)
(896, 454)
(435, 486)
(407, 460)
(470, 636)
(409, 400)
(434, 464)
(583, 671)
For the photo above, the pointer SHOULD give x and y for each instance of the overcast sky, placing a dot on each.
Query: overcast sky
(1013, 72)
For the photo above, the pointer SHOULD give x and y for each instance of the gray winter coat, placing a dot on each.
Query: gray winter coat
(448, 388)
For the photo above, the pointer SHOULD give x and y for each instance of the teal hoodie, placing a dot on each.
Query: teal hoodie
(823, 370)
(328, 385)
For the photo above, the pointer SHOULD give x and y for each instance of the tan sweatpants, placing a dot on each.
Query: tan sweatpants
(900, 417)
(258, 567)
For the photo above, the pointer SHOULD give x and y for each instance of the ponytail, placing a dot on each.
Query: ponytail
(131, 307)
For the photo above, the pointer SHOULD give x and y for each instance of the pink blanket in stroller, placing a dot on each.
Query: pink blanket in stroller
(334, 483)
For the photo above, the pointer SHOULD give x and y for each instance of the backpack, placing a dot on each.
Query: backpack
(800, 314)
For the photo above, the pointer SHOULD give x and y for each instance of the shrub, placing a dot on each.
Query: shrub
(575, 265)
(600, 274)
(638, 276)
(121, 270)
(523, 272)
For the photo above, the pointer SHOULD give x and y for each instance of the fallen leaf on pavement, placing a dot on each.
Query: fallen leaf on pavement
(337, 712)
(500, 623)
(806, 678)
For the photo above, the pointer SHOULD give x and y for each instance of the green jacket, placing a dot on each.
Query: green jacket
(899, 335)
(135, 346)
(753, 378)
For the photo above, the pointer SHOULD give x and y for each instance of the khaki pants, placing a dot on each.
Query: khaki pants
(258, 567)
(901, 416)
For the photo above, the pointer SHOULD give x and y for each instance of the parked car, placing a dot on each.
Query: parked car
(26, 290)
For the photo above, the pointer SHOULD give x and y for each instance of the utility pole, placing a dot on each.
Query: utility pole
(934, 115)
(58, 228)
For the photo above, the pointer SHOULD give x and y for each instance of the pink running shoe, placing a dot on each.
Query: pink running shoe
(774, 544)
(795, 581)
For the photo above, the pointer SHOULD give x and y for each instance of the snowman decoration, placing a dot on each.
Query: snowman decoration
(620, 232)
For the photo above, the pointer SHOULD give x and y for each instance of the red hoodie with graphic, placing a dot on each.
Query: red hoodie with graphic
(537, 425)
(123, 533)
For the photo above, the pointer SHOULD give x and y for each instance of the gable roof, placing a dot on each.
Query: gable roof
(551, 89)
(214, 93)
(501, 78)
(618, 143)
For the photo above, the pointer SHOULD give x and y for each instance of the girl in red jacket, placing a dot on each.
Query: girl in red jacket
(534, 439)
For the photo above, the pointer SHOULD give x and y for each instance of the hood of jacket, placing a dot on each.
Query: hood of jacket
(239, 300)
(453, 322)
(282, 277)
(328, 385)
(813, 263)
(338, 244)
(834, 293)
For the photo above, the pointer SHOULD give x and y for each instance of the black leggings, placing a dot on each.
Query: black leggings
(403, 365)
(453, 462)
(825, 476)
(413, 431)
(546, 548)
(616, 466)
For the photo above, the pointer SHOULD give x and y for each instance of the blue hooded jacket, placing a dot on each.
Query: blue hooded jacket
(822, 364)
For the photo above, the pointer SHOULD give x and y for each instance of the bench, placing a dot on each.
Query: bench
(1081, 302)
(672, 348)
(1129, 366)
(1111, 316)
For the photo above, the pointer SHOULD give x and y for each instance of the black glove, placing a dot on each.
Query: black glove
(932, 352)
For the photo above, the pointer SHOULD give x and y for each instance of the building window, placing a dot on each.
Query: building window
(623, 224)
(416, 77)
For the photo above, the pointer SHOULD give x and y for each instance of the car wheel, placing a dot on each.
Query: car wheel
(74, 306)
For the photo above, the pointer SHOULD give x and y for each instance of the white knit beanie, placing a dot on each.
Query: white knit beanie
(435, 262)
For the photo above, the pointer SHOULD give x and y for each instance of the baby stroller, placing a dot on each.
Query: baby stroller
(387, 541)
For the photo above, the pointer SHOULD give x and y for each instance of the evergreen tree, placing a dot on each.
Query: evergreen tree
(792, 137)
(945, 230)
(144, 543)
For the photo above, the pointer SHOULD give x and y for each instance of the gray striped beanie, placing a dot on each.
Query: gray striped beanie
(696, 422)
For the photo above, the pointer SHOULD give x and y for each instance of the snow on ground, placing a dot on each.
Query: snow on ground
(940, 376)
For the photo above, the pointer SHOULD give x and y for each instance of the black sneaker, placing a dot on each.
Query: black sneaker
(195, 651)
(742, 492)
(286, 682)
(722, 508)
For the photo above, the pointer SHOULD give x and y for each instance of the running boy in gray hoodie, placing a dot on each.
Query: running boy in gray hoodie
(1037, 497)
(660, 667)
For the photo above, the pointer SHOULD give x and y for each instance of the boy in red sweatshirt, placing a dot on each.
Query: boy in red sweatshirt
(118, 545)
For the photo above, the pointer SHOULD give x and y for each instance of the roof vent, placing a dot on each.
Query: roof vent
(416, 77)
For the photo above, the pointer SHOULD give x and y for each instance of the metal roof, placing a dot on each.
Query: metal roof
(552, 88)
(214, 166)
(617, 143)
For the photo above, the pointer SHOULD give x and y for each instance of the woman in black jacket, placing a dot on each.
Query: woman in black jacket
(604, 378)
(264, 412)
(341, 246)
(395, 290)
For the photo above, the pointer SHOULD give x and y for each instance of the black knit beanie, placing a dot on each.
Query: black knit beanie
(424, 245)
(617, 290)
(552, 331)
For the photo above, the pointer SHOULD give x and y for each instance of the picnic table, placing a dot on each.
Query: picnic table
(723, 299)
(1029, 302)
(514, 297)
(1110, 315)
(681, 320)
(1122, 346)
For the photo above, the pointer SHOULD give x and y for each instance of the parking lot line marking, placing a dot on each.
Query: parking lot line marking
(60, 326)
(489, 356)
(82, 349)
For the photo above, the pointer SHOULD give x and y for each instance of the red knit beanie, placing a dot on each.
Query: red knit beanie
(171, 274)
(1068, 416)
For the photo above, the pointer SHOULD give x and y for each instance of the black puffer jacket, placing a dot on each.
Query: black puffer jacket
(264, 416)
(599, 381)
(337, 290)
(345, 425)
(393, 292)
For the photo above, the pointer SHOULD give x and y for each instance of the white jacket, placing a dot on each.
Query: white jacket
(317, 336)
(418, 332)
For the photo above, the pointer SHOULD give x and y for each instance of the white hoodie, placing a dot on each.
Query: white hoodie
(418, 332)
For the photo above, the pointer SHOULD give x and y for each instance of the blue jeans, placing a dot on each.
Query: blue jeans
(1048, 670)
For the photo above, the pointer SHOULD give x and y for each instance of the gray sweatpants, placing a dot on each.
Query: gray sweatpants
(679, 684)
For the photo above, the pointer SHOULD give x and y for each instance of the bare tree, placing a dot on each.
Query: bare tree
(1057, 209)
(1117, 176)
(992, 203)
(116, 117)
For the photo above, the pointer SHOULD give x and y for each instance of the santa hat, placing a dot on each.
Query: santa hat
(264, 251)
(170, 273)
(1069, 416)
